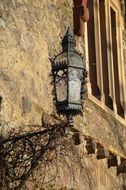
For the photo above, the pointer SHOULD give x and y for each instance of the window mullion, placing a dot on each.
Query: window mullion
(110, 57)
(98, 49)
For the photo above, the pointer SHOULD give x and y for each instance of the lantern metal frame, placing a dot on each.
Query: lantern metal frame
(71, 66)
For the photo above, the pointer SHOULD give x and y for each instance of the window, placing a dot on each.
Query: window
(105, 55)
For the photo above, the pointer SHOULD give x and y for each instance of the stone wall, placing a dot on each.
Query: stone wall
(124, 49)
(30, 33)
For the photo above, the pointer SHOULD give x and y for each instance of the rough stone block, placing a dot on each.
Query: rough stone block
(91, 146)
(26, 104)
(102, 153)
(112, 161)
(2, 23)
(122, 167)
(76, 138)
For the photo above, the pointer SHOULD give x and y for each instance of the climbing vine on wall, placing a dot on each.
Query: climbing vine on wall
(24, 156)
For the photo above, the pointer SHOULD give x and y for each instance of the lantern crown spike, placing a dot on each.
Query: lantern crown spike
(68, 41)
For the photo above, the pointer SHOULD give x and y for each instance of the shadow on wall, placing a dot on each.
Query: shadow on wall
(124, 187)
(124, 182)
(32, 159)
(21, 154)
(0, 101)
(0, 104)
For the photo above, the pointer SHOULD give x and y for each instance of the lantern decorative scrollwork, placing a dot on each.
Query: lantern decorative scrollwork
(69, 74)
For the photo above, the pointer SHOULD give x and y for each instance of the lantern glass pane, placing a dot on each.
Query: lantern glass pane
(74, 84)
(61, 85)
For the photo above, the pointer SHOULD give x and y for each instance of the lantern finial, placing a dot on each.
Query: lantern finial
(68, 42)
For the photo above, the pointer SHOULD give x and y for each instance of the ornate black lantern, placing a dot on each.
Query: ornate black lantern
(69, 75)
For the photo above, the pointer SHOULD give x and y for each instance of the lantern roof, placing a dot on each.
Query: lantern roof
(69, 57)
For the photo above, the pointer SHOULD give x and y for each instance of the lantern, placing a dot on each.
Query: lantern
(69, 75)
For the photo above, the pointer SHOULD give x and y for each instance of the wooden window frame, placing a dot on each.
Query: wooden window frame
(118, 109)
